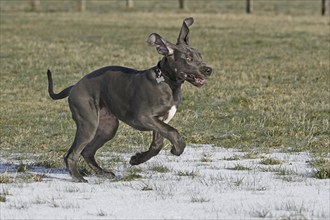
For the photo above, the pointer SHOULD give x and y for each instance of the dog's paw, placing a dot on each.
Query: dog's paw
(79, 180)
(176, 152)
(179, 148)
(135, 160)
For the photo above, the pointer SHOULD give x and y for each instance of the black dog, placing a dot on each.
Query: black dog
(146, 100)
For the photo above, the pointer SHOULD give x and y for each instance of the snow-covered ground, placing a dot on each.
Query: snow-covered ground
(199, 184)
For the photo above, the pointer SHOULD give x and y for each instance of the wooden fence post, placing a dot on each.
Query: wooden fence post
(81, 5)
(182, 4)
(129, 3)
(34, 5)
(323, 7)
(248, 8)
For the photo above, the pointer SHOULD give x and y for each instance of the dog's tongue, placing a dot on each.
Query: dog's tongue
(199, 80)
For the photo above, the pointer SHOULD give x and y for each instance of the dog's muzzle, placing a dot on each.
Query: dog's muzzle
(199, 79)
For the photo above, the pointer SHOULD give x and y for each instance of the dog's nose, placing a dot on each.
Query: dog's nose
(208, 71)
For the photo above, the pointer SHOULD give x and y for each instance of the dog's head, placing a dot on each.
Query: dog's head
(183, 61)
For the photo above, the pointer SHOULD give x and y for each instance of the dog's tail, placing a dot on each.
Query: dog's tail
(63, 94)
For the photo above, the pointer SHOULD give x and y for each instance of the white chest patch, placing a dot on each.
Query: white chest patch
(171, 113)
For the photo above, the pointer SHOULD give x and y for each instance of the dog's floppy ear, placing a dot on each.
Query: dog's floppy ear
(184, 32)
(163, 47)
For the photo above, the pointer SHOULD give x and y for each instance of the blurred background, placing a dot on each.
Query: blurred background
(293, 7)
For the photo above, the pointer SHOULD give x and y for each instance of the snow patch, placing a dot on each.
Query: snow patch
(196, 185)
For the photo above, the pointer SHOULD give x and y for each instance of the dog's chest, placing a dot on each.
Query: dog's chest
(170, 114)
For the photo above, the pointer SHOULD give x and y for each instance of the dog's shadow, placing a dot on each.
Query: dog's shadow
(47, 174)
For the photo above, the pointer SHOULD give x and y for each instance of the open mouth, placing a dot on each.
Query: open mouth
(196, 80)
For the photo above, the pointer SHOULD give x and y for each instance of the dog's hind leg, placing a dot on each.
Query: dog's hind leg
(108, 125)
(156, 145)
(85, 114)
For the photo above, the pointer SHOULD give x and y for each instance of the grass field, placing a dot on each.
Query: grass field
(269, 89)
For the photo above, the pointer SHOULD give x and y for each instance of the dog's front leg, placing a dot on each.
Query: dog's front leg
(165, 131)
(178, 144)
(156, 145)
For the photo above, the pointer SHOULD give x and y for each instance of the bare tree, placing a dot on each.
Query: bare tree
(34, 5)
(81, 5)
(183, 4)
(129, 3)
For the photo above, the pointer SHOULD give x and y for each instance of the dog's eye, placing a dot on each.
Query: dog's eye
(189, 59)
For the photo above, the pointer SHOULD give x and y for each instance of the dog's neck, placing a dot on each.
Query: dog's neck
(163, 70)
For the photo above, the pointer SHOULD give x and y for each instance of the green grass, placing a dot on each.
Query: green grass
(234, 157)
(252, 155)
(146, 188)
(160, 169)
(198, 199)
(3, 194)
(5, 178)
(269, 88)
(322, 168)
(133, 174)
(238, 167)
(191, 174)
(284, 172)
(322, 173)
(3, 198)
(206, 158)
(271, 161)
(23, 167)
(50, 163)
